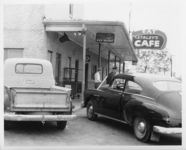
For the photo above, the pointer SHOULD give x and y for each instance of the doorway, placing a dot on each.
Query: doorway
(86, 75)
(58, 68)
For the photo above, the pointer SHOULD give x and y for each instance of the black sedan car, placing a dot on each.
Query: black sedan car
(149, 103)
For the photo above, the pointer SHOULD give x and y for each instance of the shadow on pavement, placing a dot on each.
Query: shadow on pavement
(164, 139)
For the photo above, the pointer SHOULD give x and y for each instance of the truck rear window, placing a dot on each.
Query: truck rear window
(24, 68)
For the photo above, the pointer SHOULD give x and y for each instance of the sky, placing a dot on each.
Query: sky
(164, 15)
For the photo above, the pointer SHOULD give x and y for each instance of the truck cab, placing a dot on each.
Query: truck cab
(30, 93)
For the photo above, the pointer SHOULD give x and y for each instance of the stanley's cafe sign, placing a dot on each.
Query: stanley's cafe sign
(149, 39)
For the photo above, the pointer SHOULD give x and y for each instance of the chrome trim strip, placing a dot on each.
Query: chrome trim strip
(165, 130)
(27, 117)
(139, 95)
(105, 116)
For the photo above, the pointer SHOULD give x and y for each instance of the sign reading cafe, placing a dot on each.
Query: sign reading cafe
(149, 39)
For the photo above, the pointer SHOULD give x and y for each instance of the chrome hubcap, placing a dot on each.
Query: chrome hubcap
(141, 127)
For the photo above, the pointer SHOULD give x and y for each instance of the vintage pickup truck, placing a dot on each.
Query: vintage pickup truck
(30, 93)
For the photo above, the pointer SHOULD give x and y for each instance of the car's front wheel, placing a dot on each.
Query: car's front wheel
(90, 111)
(142, 129)
(61, 125)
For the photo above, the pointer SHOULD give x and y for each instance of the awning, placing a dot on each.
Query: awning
(121, 47)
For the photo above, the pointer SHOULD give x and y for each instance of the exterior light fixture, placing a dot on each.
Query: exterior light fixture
(64, 38)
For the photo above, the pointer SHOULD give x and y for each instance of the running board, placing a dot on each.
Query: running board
(111, 118)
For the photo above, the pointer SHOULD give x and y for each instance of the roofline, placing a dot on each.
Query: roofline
(80, 23)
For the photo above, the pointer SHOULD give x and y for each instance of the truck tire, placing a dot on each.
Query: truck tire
(61, 125)
(90, 111)
(142, 129)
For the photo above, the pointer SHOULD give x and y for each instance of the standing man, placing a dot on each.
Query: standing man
(97, 78)
(111, 75)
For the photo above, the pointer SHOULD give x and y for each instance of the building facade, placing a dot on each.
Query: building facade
(25, 36)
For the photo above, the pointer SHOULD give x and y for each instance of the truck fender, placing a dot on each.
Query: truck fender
(7, 97)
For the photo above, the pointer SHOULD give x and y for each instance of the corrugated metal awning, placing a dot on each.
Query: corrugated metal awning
(121, 47)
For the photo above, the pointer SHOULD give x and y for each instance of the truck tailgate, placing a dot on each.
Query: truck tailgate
(40, 98)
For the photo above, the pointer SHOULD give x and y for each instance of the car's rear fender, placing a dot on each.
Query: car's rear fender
(147, 110)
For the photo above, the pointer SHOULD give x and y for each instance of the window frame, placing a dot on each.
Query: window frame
(133, 89)
(124, 84)
(28, 72)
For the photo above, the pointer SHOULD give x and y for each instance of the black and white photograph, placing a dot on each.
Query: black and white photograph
(92, 74)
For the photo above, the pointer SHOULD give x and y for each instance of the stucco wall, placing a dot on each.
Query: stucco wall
(23, 28)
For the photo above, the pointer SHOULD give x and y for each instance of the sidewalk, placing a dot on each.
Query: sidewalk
(76, 102)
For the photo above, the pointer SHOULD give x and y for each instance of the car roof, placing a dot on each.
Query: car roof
(146, 81)
(145, 77)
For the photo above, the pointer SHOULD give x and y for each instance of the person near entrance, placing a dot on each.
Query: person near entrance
(97, 78)
(111, 75)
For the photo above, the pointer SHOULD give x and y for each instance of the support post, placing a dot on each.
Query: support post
(123, 67)
(171, 65)
(108, 62)
(119, 65)
(84, 61)
(115, 61)
(99, 56)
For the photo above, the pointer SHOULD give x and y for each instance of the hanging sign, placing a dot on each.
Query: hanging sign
(105, 37)
(149, 39)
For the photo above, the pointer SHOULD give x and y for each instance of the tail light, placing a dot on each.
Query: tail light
(68, 100)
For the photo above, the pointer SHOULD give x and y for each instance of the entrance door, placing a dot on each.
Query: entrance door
(110, 101)
(86, 75)
(58, 68)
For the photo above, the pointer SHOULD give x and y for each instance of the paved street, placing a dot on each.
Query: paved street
(80, 131)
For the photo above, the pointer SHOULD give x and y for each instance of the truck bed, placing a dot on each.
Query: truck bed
(38, 99)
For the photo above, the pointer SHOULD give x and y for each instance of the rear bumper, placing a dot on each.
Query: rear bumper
(169, 131)
(39, 117)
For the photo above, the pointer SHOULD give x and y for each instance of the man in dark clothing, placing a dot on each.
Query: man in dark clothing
(111, 75)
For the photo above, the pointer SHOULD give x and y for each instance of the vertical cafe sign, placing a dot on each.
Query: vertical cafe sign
(149, 39)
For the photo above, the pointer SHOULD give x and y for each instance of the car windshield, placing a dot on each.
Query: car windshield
(168, 85)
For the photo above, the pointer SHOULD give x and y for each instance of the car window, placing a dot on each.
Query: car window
(23, 68)
(132, 87)
(118, 84)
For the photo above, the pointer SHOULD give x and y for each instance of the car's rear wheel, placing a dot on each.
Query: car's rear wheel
(90, 111)
(142, 129)
(61, 125)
